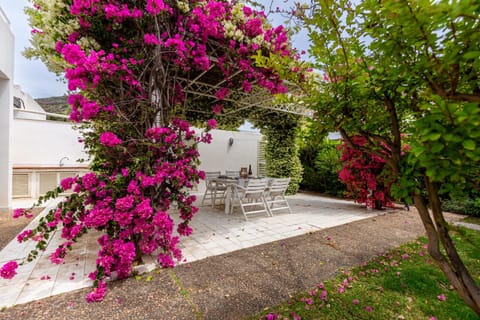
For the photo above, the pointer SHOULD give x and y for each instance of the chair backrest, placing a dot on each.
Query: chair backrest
(255, 188)
(232, 173)
(211, 175)
(278, 186)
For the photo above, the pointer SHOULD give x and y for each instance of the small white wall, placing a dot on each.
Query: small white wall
(6, 113)
(45, 143)
(42, 144)
(219, 156)
(30, 105)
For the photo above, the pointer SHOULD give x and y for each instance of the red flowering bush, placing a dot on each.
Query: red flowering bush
(364, 174)
(129, 65)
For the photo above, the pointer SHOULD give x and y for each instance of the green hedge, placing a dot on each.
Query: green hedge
(321, 163)
(463, 206)
(281, 150)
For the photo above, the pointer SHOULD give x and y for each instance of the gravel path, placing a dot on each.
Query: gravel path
(9, 227)
(238, 284)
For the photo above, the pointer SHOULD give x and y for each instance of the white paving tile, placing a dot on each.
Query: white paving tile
(214, 233)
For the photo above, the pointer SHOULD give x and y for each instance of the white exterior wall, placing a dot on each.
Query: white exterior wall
(219, 156)
(44, 143)
(6, 113)
(30, 105)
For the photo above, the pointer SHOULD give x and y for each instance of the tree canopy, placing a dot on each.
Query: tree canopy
(405, 75)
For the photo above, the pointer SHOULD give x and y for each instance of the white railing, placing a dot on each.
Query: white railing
(4, 16)
(55, 115)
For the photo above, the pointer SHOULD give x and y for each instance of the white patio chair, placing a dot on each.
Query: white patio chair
(213, 189)
(232, 173)
(275, 195)
(251, 198)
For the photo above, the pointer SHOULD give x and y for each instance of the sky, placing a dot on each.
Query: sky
(32, 75)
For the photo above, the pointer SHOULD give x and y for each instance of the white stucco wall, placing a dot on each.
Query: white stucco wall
(45, 143)
(30, 105)
(219, 156)
(6, 113)
(7, 44)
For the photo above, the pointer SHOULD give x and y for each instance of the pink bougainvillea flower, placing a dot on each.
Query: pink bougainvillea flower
(222, 93)
(67, 183)
(217, 108)
(323, 295)
(271, 316)
(441, 297)
(211, 124)
(97, 293)
(17, 213)
(355, 301)
(8, 270)
(109, 139)
(24, 235)
(368, 308)
(405, 256)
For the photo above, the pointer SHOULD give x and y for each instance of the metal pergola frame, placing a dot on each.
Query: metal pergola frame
(205, 84)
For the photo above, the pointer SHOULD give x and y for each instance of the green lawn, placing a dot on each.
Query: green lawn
(401, 284)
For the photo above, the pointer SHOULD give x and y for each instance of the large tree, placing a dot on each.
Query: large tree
(135, 69)
(407, 72)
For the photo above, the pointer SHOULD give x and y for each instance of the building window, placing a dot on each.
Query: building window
(48, 182)
(18, 103)
(21, 186)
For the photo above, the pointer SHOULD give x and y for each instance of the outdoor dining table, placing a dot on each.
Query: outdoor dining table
(230, 184)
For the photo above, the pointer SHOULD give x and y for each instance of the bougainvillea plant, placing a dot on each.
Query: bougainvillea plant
(129, 65)
(364, 175)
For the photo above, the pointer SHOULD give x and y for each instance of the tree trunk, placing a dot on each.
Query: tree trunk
(451, 263)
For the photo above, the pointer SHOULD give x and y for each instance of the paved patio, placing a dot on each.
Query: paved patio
(214, 234)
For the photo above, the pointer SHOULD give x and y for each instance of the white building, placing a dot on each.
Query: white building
(6, 113)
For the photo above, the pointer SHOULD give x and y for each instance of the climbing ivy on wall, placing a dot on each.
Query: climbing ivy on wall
(281, 150)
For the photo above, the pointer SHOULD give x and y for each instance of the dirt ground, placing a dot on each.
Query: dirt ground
(235, 285)
(9, 227)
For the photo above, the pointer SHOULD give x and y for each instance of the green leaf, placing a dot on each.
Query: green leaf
(472, 55)
(433, 136)
(436, 147)
(469, 144)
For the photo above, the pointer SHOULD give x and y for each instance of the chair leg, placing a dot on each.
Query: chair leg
(242, 208)
(214, 197)
(265, 203)
(204, 196)
(288, 205)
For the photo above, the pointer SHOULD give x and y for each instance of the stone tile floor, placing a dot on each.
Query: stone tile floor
(214, 233)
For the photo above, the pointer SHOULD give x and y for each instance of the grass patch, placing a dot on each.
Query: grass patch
(401, 284)
(474, 220)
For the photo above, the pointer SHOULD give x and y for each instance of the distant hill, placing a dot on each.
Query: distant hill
(57, 105)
